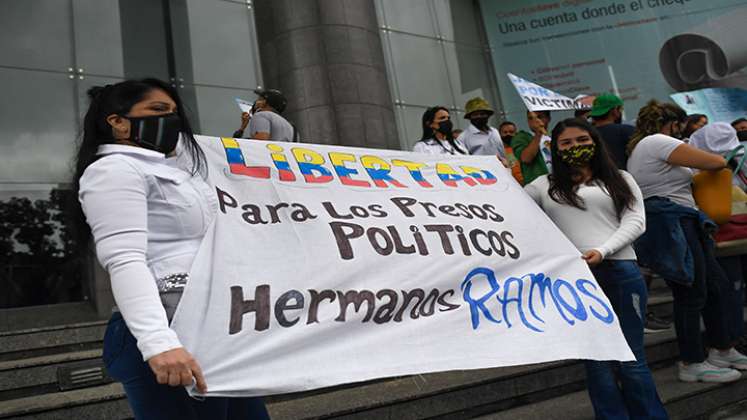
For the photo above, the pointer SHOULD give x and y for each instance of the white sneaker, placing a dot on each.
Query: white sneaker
(731, 359)
(706, 372)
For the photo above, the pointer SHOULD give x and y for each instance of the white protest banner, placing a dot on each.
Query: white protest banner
(537, 98)
(245, 106)
(328, 265)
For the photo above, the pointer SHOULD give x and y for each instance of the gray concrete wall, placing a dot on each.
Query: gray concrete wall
(326, 56)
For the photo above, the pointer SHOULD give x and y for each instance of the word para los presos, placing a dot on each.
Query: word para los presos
(349, 169)
(412, 207)
(508, 303)
(381, 306)
(391, 239)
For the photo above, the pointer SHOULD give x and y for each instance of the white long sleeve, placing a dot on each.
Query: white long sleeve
(596, 227)
(113, 195)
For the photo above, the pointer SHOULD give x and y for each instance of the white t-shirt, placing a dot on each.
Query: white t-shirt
(657, 177)
(437, 147)
(597, 227)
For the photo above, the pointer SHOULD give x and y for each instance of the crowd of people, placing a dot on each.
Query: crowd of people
(622, 194)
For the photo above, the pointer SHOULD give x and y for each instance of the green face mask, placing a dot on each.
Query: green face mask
(578, 155)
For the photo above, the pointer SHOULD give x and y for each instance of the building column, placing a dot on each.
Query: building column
(326, 57)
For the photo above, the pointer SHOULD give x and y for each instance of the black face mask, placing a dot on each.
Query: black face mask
(480, 123)
(446, 127)
(742, 135)
(507, 139)
(157, 132)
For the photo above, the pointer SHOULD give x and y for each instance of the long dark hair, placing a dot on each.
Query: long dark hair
(563, 189)
(428, 116)
(118, 99)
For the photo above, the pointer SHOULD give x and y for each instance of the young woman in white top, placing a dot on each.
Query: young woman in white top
(438, 137)
(662, 165)
(148, 210)
(600, 209)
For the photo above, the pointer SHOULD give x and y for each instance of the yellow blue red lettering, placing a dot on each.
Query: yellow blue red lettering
(343, 172)
(281, 163)
(378, 169)
(450, 176)
(414, 168)
(481, 175)
(310, 163)
(237, 163)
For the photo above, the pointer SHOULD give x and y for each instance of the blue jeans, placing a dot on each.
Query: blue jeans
(624, 390)
(151, 400)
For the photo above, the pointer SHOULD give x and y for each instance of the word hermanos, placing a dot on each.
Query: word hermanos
(348, 168)
(381, 306)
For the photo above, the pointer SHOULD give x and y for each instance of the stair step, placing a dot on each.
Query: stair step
(37, 375)
(406, 397)
(682, 400)
(39, 342)
(95, 403)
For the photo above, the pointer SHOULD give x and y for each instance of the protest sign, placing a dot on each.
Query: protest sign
(245, 106)
(328, 265)
(718, 104)
(537, 98)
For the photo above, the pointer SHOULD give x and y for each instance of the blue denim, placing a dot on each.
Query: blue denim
(624, 390)
(709, 297)
(663, 247)
(151, 400)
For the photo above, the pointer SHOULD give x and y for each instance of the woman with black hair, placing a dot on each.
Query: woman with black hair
(139, 177)
(438, 137)
(693, 123)
(600, 209)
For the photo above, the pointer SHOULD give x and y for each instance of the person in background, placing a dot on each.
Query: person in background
(438, 134)
(507, 131)
(267, 123)
(533, 149)
(606, 115)
(677, 243)
(480, 138)
(139, 178)
(583, 114)
(692, 123)
(740, 124)
(600, 209)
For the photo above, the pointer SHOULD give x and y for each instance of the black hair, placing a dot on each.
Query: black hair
(581, 112)
(428, 132)
(119, 99)
(738, 121)
(563, 189)
(505, 123)
(691, 120)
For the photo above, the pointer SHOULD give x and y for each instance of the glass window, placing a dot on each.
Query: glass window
(98, 37)
(412, 16)
(420, 70)
(36, 34)
(218, 113)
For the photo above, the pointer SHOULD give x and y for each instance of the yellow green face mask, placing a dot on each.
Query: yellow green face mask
(578, 155)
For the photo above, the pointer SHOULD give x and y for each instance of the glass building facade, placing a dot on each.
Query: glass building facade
(53, 51)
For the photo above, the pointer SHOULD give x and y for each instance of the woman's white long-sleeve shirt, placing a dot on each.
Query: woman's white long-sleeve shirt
(597, 227)
(148, 215)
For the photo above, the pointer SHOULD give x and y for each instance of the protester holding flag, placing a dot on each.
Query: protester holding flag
(148, 207)
(507, 130)
(600, 209)
(677, 243)
(438, 136)
(533, 150)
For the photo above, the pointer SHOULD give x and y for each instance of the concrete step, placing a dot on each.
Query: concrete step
(440, 394)
(37, 342)
(681, 400)
(95, 403)
(38, 375)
